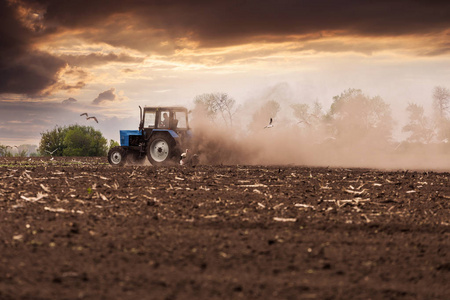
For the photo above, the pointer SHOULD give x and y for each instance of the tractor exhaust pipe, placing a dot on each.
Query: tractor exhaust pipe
(141, 123)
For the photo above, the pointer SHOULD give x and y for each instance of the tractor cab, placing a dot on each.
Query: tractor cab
(172, 118)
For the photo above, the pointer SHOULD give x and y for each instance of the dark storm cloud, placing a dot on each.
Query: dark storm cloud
(232, 22)
(164, 26)
(29, 73)
(105, 96)
(22, 69)
(94, 59)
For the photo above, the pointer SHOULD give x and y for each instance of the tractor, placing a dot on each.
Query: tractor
(163, 133)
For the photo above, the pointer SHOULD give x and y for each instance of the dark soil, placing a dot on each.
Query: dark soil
(80, 229)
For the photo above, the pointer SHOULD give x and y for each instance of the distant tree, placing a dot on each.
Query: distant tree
(4, 151)
(21, 153)
(303, 115)
(317, 111)
(441, 105)
(214, 104)
(25, 150)
(262, 116)
(441, 101)
(112, 144)
(74, 140)
(84, 141)
(357, 116)
(418, 125)
(22, 150)
(52, 142)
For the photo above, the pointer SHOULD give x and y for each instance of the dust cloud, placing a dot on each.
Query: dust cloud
(308, 143)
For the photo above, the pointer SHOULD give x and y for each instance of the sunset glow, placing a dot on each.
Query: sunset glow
(151, 53)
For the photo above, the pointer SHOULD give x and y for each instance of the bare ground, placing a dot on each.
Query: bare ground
(80, 229)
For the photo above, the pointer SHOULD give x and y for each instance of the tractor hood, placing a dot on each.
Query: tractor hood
(125, 136)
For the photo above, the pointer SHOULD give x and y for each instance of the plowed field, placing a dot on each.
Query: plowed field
(80, 229)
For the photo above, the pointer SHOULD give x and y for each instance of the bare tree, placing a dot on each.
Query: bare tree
(301, 113)
(217, 104)
(317, 111)
(441, 105)
(441, 101)
(304, 116)
(418, 126)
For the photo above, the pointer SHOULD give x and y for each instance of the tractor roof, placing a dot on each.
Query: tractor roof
(165, 108)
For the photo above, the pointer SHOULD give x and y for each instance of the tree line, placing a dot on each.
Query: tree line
(352, 115)
(73, 140)
(23, 150)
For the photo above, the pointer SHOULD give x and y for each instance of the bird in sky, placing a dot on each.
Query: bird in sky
(95, 119)
(88, 118)
(270, 124)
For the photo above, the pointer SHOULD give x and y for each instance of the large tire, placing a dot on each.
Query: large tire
(117, 156)
(161, 149)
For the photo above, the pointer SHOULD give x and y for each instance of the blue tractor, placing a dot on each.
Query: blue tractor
(163, 133)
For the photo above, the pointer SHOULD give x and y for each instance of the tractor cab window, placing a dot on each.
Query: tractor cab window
(164, 121)
(179, 117)
(150, 119)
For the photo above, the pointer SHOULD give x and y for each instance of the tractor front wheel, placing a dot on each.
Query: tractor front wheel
(160, 149)
(117, 156)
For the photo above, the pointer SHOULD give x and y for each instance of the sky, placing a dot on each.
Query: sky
(59, 59)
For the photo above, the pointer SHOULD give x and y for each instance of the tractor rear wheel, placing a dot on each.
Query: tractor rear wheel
(160, 149)
(117, 156)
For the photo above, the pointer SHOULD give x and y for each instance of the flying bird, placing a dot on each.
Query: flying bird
(87, 117)
(51, 153)
(270, 124)
(95, 119)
